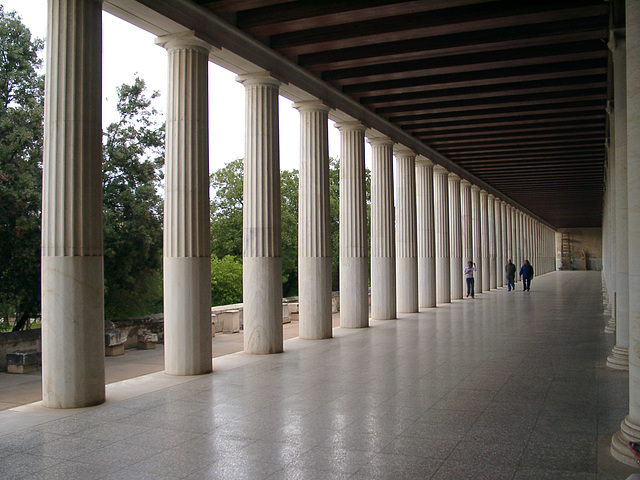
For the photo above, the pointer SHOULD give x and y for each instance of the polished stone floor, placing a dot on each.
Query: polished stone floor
(511, 385)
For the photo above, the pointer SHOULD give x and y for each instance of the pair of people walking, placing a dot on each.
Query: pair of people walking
(526, 274)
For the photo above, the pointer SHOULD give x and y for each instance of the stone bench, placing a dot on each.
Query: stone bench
(230, 321)
(147, 341)
(294, 311)
(23, 362)
(114, 342)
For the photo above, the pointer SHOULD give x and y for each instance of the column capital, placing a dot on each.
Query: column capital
(402, 151)
(617, 39)
(440, 170)
(484, 192)
(475, 188)
(186, 39)
(454, 177)
(352, 125)
(311, 106)
(377, 141)
(465, 183)
(258, 78)
(421, 160)
(492, 196)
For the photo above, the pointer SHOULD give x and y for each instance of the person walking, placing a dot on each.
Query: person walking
(526, 273)
(510, 270)
(468, 275)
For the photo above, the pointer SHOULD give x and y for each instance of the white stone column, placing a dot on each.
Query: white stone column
(466, 222)
(262, 221)
(497, 213)
(506, 252)
(354, 298)
(426, 233)
(406, 235)
(477, 237)
(484, 241)
(383, 244)
(443, 253)
(630, 427)
(187, 263)
(514, 241)
(611, 181)
(455, 237)
(619, 358)
(491, 219)
(72, 267)
(314, 234)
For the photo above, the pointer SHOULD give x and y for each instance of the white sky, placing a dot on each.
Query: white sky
(128, 50)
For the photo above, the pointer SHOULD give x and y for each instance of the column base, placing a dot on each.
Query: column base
(383, 288)
(629, 432)
(619, 359)
(611, 326)
(354, 297)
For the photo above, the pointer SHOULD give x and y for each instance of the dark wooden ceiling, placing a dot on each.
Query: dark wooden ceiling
(514, 92)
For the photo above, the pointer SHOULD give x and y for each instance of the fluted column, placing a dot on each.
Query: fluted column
(506, 253)
(187, 264)
(262, 228)
(72, 266)
(466, 222)
(314, 235)
(406, 235)
(455, 237)
(484, 241)
(611, 181)
(508, 233)
(497, 213)
(514, 241)
(383, 242)
(443, 255)
(477, 237)
(491, 221)
(619, 358)
(426, 233)
(630, 427)
(354, 303)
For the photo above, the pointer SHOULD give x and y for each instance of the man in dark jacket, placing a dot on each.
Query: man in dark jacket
(526, 273)
(510, 269)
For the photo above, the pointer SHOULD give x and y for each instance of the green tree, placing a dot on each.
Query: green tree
(21, 133)
(132, 205)
(226, 210)
(226, 280)
(289, 195)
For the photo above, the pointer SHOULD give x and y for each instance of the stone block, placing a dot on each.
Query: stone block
(114, 342)
(214, 321)
(335, 303)
(286, 316)
(147, 341)
(294, 311)
(230, 321)
(23, 362)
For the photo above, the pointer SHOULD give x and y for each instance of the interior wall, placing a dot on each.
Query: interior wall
(587, 240)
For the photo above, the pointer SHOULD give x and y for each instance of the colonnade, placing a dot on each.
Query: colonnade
(621, 222)
(421, 237)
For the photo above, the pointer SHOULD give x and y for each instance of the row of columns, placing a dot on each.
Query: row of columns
(419, 245)
(621, 222)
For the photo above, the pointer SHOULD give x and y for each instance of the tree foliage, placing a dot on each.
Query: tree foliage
(226, 210)
(132, 205)
(21, 134)
(226, 280)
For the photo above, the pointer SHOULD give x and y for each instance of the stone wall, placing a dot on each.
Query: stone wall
(23, 341)
(136, 325)
(588, 240)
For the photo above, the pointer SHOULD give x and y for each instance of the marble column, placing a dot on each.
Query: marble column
(354, 268)
(484, 241)
(72, 267)
(383, 245)
(187, 262)
(466, 222)
(491, 219)
(611, 180)
(514, 241)
(314, 235)
(455, 237)
(426, 233)
(497, 213)
(506, 252)
(443, 255)
(619, 358)
(630, 426)
(406, 235)
(262, 221)
(477, 237)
